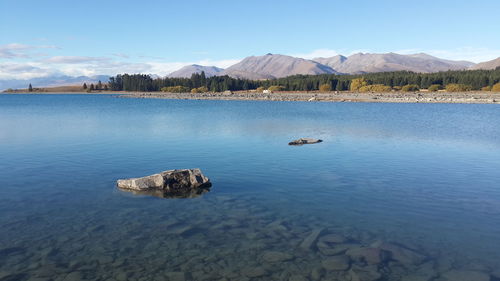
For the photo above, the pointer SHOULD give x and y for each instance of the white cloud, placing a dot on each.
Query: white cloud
(16, 50)
(218, 63)
(22, 71)
(74, 59)
(88, 66)
(319, 53)
(357, 51)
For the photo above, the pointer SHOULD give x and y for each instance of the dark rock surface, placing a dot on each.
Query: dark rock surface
(302, 141)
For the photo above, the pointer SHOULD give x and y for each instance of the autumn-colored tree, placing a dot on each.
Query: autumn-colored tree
(201, 89)
(378, 88)
(276, 88)
(458, 88)
(496, 87)
(357, 83)
(434, 87)
(325, 88)
(175, 89)
(410, 88)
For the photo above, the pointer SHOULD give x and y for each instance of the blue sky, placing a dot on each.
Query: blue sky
(105, 37)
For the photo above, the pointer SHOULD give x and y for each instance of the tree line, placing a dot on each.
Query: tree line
(144, 83)
(98, 87)
(472, 79)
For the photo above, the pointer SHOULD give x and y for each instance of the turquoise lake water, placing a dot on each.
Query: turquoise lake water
(416, 184)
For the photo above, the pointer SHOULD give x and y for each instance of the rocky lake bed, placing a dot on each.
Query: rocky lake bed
(233, 240)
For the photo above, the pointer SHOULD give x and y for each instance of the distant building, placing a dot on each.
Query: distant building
(267, 92)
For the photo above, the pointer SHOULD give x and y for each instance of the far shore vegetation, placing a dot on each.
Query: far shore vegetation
(450, 81)
(401, 81)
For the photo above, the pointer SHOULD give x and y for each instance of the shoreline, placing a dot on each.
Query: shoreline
(476, 97)
(391, 97)
(66, 93)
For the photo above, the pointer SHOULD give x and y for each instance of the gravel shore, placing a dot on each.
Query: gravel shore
(395, 97)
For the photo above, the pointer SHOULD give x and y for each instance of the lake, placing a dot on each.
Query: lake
(395, 192)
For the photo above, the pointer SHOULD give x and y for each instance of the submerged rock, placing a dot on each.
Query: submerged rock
(74, 276)
(400, 253)
(184, 183)
(336, 263)
(298, 278)
(176, 276)
(333, 238)
(335, 249)
(254, 272)
(464, 275)
(274, 256)
(11, 251)
(368, 273)
(496, 274)
(302, 141)
(310, 240)
(368, 255)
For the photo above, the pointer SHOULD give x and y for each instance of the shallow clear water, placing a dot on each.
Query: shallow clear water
(421, 177)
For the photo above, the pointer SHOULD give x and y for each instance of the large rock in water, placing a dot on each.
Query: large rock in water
(172, 183)
(302, 141)
(336, 263)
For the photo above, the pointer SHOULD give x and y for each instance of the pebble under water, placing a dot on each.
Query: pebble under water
(394, 192)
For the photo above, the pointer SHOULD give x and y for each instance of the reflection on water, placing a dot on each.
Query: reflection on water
(395, 191)
(178, 194)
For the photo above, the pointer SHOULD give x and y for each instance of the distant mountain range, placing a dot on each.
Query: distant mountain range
(492, 64)
(272, 66)
(367, 63)
(51, 81)
(188, 70)
(275, 66)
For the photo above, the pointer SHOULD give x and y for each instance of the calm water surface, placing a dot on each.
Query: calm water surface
(414, 188)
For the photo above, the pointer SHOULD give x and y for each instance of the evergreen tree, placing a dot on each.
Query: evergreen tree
(85, 86)
(92, 87)
(203, 79)
(340, 86)
(30, 88)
